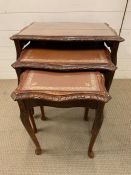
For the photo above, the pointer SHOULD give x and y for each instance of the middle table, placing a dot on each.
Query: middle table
(56, 59)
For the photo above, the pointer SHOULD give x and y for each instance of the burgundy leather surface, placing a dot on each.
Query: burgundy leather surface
(65, 56)
(68, 82)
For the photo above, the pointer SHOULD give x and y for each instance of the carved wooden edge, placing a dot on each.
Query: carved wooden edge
(55, 66)
(17, 95)
(64, 66)
(67, 38)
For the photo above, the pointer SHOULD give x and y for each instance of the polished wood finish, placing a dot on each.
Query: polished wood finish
(96, 127)
(68, 32)
(24, 116)
(65, 47)
(66, 35)
(88, 91)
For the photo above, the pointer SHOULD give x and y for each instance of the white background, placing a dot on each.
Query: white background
(15, 15)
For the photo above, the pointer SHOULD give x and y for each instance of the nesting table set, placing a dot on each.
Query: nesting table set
(64, 65)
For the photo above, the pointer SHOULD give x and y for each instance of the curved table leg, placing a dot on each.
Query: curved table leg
(96, 128)
(24, 116)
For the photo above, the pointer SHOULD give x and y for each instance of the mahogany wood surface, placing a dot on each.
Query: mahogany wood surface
(79, 89)
(93, 35)
(68, 31)
(68, 43)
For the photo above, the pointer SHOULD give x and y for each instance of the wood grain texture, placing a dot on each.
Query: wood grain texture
(68, 32)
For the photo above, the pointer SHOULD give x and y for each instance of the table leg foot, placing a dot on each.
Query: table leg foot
(38, 151)
(91, 154)
(96, 128)
(24, 116)
(43, 119)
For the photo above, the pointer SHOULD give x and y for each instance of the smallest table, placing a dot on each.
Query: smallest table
(66, 89)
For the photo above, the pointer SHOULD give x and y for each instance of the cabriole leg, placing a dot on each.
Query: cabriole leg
(96, 128)
(24, 116)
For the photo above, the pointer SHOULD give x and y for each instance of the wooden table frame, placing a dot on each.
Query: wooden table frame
(26, 106)
(27, 100)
